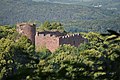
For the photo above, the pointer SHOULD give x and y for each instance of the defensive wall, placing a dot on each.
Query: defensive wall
(49, 39)
(73, 40)
(52, 40)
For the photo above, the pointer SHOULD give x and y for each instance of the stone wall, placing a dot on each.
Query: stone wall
(48, 41)
(28, 30)
(73, 40)
(52, 42)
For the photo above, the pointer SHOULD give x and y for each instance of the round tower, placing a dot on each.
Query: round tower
(27, 29)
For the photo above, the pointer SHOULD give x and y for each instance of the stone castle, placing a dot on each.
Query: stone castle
(49, 39)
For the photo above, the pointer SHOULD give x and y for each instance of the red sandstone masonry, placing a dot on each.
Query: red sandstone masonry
(28, 30)
(49, 39)
(52, 42)
(73, 40)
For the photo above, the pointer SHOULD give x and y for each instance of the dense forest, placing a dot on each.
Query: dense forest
(98, 59)
(96, 20)
(84, 16)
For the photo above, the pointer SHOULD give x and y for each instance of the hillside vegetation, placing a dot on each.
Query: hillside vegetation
(99, 59)
(83, 17)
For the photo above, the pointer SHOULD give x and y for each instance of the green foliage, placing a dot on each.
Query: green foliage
(101, 56)
(66, 48)
(99, 25)
(6, 32)
(16, 55)
(96, 60)
(53, 26)
(99, 59)
(82, 16)
(43, 53)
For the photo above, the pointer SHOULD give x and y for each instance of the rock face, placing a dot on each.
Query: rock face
(49, 39)
(27, 29)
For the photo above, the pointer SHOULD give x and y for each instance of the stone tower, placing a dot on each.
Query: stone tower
(27, 29)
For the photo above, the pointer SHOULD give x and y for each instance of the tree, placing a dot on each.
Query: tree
(51, 26)
(16, 55)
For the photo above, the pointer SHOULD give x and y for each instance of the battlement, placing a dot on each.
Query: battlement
(50, 34)
(45, 35)
(61, 35)
(72, 39)
(70, 35)
(49, 39)
(52, 40)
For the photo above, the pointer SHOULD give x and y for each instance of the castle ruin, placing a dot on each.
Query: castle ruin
(27, 29)
(49, 39)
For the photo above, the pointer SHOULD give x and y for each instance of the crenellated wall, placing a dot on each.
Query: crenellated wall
(52, 42)
(73, 40)
(49, 39)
